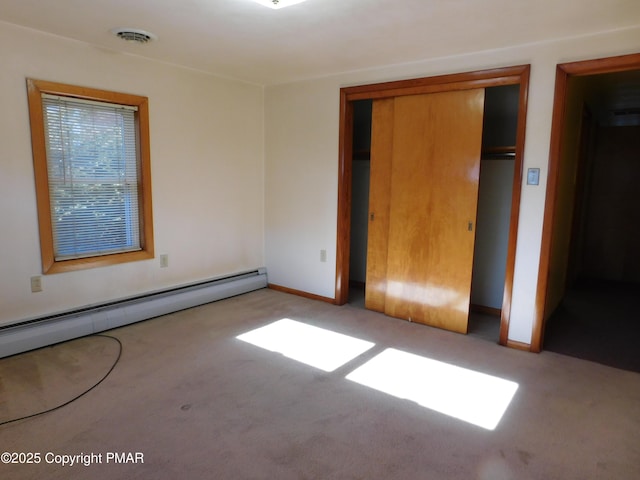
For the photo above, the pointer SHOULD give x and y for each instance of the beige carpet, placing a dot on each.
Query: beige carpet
(192, 401)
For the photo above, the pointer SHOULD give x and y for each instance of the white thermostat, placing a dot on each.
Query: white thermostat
(533, 176)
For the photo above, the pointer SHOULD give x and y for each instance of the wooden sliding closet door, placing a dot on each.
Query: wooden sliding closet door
(379, 199)
(425, 165)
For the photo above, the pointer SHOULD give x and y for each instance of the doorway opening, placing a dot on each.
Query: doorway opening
(500, 180)
(590, 263)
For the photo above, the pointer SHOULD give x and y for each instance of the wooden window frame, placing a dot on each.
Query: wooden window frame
(35, 89)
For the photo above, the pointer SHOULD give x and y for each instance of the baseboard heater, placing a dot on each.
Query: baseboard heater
(43, 331)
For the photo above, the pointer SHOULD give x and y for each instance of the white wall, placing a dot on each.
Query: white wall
(302, 161)
(301, 172)
(492, 232)
(207, 161)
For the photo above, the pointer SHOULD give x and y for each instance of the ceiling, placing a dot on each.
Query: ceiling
(246, 41)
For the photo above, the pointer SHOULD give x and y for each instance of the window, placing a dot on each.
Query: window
(92, 173)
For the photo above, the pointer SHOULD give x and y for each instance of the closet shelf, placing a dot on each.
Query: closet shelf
(507, 152)
(487, 152)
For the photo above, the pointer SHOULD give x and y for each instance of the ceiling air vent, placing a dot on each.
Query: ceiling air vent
(133, 35)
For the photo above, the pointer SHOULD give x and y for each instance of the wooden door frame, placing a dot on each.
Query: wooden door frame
(564, 72)
(517, 75)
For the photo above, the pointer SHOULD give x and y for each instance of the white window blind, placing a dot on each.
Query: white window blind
(93, 176)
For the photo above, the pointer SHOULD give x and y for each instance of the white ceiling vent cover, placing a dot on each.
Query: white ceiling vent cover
(134, 35)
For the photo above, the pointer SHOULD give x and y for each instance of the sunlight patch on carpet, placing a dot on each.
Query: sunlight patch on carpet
(311, 345)
(465, 394)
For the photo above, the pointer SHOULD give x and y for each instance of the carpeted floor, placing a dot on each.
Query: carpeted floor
(481, 325)
(190, 400)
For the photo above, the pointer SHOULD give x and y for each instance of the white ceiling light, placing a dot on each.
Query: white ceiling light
(278, 3)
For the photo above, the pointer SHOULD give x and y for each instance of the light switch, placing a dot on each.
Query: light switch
(533, 176)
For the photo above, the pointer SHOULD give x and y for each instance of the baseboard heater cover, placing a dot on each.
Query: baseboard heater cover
(44, 331)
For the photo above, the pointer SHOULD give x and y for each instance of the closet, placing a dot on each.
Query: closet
(494, 198)
(425, 166)
(431, 202)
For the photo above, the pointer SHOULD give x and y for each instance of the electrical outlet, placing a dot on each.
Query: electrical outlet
(323, 255)
(164, 260)
(36, 284)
